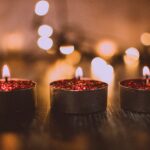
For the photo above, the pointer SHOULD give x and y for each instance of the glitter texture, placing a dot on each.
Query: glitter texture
(12, 85)
(136, 84)
(78, 85)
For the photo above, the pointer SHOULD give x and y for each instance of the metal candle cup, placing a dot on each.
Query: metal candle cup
(17, 99)
(135, 95)
(78, 96)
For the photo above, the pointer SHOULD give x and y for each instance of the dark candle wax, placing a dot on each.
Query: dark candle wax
(15, 84)
(78, 84)
(136, 84)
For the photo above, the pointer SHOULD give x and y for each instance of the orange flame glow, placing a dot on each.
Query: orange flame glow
(5, 71)
(146, 71)
(79, 72)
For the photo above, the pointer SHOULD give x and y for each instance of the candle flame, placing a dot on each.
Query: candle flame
(5, 71)
(146, 71)
(79, 72)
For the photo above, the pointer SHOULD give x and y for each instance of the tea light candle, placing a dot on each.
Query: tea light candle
(78, 95)
(135, 93)
(17, 97)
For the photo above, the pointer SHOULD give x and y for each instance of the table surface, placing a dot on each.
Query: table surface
(114, 129)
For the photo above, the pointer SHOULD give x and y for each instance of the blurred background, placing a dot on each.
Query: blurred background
(80, 22)
(46, 40)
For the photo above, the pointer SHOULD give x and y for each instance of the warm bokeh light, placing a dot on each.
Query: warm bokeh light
(145, 38)
(101, 70)
(146, 71)
(79, 72)
(97, 61)
(45, 30)
(74, 58)
(131, 56)
(133, 52)
(66, 50)
(5, 71)
(45, 43)
(41, 7)
(106, 49)
(11, 141)
(13, 41)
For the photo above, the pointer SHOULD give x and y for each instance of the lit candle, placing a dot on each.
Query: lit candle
(5, 73)
(146, 73)
(78, 95)
(135, 93)
(17, 98)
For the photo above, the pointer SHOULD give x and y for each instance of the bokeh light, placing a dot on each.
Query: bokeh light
(131, 56)
(145, 39)
(74, 58)
(101, 70)
(98, 61)
(133, 52)
(131, 61)
(41, 7)
(45, 43)
(66, 50)
(16, 41)
(45, 30)
(106, 49)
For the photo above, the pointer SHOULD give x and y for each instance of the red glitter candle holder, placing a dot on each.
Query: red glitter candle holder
(75, 96)
(135, 95)
(17, 100)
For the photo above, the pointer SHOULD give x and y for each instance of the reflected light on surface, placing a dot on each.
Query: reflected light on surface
(146, 71)
(45, 30)
(79, 72)
(13, 41)
(5, 71)
(74, 58)
(101, 70)
(145, 39)
(107, 49)
(41, 8)
(66, 50)
(131, 56)
(45, 43)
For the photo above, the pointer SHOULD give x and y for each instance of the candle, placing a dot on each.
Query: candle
(135, 93)
(78, 95)
(17, 98)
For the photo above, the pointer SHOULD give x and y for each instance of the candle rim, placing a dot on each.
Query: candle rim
(63, 89)
(133, 79)
(18, 79)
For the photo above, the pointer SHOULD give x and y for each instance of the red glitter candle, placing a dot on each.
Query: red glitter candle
(135, 94)
(17, 98)
(78, 95)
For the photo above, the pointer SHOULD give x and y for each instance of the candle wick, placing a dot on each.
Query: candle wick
(147, 80)
(6, 79)
(78, 77)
